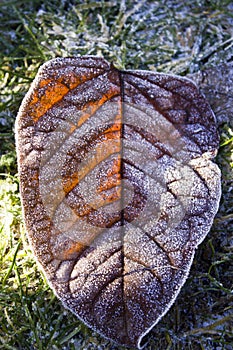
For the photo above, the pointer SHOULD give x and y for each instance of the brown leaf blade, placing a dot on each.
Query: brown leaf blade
(118, 188)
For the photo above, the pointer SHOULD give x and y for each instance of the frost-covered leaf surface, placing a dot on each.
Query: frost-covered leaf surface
(179, 37)
(216, 84)
(118, 187)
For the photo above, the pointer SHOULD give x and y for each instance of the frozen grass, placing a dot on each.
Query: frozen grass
(169, 36)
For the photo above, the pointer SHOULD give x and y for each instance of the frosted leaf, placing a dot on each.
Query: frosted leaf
(118, 188)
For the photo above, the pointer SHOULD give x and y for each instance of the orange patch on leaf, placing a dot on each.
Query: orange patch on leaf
(70, 182)
(44, 83)
(53, 93)
(110, 182)
(73, 250)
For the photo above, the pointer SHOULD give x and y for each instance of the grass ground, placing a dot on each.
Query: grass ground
(169, 36)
